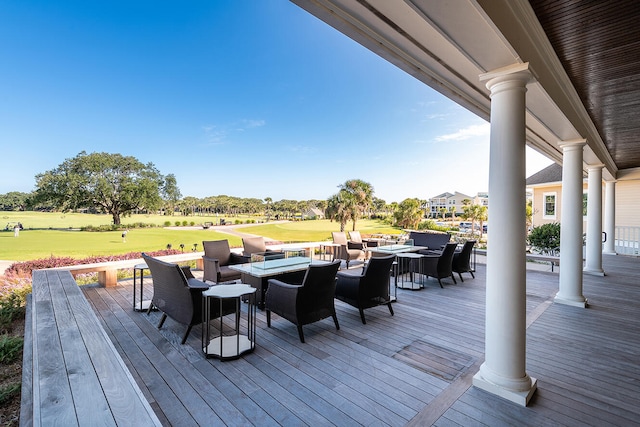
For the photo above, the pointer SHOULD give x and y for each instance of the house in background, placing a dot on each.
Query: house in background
(447, 201)
(546, 189)
(313, 213)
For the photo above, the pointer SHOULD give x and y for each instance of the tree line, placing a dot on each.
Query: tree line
(122, 185)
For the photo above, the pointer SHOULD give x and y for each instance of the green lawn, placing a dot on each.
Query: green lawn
(48, 234)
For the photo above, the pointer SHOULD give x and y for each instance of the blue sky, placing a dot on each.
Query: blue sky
(239, 97)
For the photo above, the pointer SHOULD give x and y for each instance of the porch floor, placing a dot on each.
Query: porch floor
(414, 368)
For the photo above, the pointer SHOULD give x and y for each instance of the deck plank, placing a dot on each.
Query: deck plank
(397, 370)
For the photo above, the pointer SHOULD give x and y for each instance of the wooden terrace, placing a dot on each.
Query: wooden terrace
(414, 368)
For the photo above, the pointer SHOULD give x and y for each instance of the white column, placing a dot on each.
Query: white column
(503, 371)
(593, 262)
(610, 217)
(570, 292)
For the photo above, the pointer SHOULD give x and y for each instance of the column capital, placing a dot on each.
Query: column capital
(595, 167)
(514, 72)
(572, 144)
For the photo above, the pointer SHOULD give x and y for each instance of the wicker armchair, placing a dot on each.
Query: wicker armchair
(216, 260)
(439, 266)
(252, 245)
(368, 289)
(178, 295)
(356, 239)
(308, 302)
(347, 250)
(461, 262)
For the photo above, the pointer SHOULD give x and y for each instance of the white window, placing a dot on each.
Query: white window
(549, 206)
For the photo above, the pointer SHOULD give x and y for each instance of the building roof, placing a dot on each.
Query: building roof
(552, 173)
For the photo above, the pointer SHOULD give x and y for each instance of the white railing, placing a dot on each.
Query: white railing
(628, 240)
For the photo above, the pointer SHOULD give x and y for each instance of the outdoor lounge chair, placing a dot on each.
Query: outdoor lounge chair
(439, 266)
(368, 289)
(356, 239)
(461, 262)
(252, 245)
(177, 294)
(309, 302)
(347, 251)
(216, 260)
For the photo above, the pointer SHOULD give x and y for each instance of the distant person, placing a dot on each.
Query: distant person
(16, 231)
(124, 236)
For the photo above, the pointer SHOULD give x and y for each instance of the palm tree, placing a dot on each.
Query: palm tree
(340, 208)
(361, 194)
(268, 201)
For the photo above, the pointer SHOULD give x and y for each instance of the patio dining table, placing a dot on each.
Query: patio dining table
(257, 274)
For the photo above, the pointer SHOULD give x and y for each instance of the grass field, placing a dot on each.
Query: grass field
(56, 234)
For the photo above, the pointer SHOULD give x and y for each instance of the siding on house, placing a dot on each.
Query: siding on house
(628, 203)
(627, 197)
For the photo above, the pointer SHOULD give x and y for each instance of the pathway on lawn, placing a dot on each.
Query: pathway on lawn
(4, 265)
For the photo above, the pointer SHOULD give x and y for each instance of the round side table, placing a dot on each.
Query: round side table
(236, 340)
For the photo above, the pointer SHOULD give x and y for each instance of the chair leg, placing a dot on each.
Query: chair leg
(162, 319)
(454, 279)
(364, 322)
(186, 334)
(440, 283)
(268, 318)
(461, 279)
(390, 308)
(300, 334)
(335, 320)
(471, 272)
(149, 309)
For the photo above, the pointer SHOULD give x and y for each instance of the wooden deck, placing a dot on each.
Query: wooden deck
(414, 368)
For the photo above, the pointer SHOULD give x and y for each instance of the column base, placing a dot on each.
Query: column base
(609, 253)
(571, 302)
(593, 271)
(520, 397)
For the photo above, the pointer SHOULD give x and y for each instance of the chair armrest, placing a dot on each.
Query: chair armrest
(354, 245)
(350, 275)
(237, 259)
(211, 262)
(196, 284)
(187, 272)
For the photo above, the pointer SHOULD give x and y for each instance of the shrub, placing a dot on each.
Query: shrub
(10, 348)
(23, 269)
(192, 223)
(185, 223)
(11, 308)
(167, 223)
(546, 238)
(8, 392)
(177, 223)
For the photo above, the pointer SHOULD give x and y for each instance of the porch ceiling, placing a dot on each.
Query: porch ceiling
(598, 44)
(584, 56)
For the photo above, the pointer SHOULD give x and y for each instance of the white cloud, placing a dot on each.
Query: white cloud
(466, 133)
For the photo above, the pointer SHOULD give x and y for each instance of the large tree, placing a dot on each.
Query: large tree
(409, 214)
(171, 194)
(112, 183)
